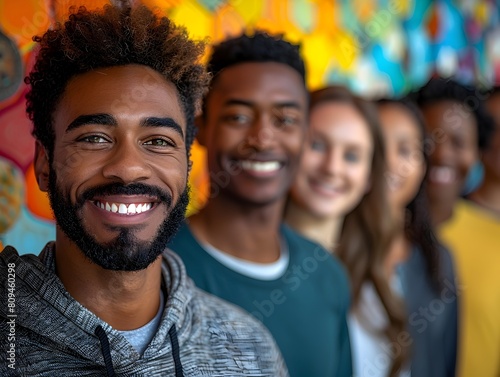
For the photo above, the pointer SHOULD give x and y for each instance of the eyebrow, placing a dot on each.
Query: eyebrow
(109, 120)
(82, 120)
(242, 102)
(163, 122)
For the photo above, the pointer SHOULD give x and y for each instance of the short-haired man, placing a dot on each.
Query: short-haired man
(254, 126)
(112, 98)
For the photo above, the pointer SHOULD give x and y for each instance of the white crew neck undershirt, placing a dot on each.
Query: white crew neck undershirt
(141, 337)
(259, 271)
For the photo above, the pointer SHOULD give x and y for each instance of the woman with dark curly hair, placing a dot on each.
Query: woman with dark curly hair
(458, 128)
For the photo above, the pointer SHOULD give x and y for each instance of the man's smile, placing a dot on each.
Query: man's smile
(123, 208)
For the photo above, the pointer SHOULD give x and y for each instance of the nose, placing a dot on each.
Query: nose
(333, 163)
(443, 153)
(126, 163)
(261, 135)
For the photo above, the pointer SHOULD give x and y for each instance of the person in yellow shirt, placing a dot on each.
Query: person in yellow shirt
(473, 235)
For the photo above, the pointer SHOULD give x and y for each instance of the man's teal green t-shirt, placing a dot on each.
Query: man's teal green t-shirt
(305, 309)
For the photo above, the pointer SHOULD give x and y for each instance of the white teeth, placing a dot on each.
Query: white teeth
(442, 174)
(259, 166)
(326, 187)
(123, 208)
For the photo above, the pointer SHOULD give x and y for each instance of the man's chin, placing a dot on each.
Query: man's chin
(122, 254)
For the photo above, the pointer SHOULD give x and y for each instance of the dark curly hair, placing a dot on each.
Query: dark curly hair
(260, 47)
(439, 89)
(112, 36)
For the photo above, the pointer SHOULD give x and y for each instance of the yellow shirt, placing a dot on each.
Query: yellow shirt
(473, 235)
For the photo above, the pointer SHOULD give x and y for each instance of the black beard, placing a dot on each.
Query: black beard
(125, 252)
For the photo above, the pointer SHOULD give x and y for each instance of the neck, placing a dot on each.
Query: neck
(440, 210)
(243, 230)
(488, 195)
(126, 300)
(399, 250)
(324, 230)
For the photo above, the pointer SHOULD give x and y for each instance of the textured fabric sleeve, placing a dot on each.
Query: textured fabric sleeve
(281, 369)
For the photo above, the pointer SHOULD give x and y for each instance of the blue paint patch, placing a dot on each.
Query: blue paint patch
(303, 15)
(29, 234)
(211, 5)
(394, 70)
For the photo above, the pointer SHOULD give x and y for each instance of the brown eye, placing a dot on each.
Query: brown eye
(237, 119)
(159, 143)
(317, 145)
(94, 139)
(351, 156)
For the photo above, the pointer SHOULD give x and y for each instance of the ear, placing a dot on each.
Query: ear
(199, 121)
(42, 167)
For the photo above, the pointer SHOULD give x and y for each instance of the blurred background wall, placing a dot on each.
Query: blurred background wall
(375, 47)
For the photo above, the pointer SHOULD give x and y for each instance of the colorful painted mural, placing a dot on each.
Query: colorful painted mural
(376, 47)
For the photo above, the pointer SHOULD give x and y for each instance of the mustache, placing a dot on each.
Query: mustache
(119, 189)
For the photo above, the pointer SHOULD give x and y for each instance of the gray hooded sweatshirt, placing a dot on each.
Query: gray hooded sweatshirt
(45, 332)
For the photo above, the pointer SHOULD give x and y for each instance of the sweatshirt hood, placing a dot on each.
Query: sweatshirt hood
(45, 308)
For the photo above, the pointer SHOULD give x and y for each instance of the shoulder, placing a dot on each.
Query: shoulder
(308, 251)
(231, 333)
(321, 266)
(8, 254)
(464, 213)
(9, 258)
(226, 318)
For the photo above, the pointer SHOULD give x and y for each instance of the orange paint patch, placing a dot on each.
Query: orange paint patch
(22, 20)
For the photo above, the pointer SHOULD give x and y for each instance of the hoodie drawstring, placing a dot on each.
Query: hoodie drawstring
(106, 353)
(175, 351)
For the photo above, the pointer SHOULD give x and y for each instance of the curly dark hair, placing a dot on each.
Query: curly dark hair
(439, 89)
(112, 36)
(260, 47)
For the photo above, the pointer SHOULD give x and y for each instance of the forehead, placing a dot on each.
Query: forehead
(449, 116)
(398, 122)
(493, 105)
(131, 91)
(340, 122)
(260, 83)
